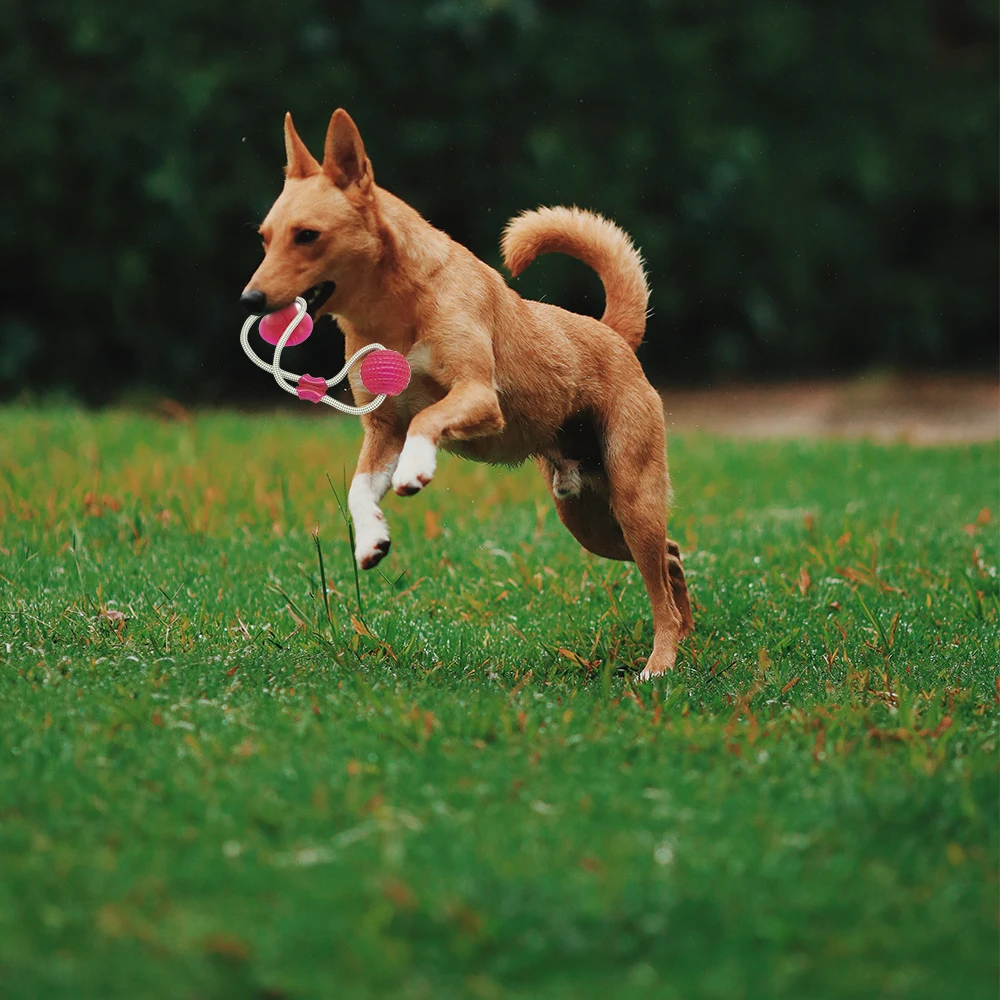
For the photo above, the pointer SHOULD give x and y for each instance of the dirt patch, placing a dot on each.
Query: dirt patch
(922, 410)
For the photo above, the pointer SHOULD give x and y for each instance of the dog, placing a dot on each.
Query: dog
(495, 378)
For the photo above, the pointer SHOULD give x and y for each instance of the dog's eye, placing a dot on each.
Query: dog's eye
(306, 236)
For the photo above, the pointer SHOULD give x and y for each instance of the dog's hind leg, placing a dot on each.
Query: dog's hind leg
(634, 449)
(679, 587)
(588, 516)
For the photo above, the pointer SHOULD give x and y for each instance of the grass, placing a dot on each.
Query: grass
(440, 780)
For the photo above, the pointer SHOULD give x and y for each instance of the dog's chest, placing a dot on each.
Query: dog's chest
(421, 392)
(423, 389)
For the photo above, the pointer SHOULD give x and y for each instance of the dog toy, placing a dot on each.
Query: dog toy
(383, 372)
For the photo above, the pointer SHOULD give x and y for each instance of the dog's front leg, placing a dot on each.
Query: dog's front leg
(471, 409)
(379, 456)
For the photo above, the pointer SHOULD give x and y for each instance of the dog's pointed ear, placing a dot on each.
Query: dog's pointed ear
(344, 159)
(301, 163)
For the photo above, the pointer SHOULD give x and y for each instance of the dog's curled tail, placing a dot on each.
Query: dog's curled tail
(600, 244)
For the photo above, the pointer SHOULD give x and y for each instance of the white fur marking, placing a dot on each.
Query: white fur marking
(419, 358)
(416, 465)
(371, 533)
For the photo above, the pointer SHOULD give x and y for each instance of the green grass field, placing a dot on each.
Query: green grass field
(446, 783)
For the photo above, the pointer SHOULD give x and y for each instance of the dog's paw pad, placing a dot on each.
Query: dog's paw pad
(409, 489)
(373, 553)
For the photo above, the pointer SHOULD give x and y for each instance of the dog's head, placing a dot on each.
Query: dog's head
(321, 225)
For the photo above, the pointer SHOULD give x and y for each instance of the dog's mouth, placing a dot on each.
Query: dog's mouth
(317, 296)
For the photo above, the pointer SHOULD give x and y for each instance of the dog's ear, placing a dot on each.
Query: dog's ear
(301, 163)
(344, 159)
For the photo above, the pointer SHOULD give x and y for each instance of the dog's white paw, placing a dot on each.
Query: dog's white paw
(371, 532)
(372, 544)
(416, 466)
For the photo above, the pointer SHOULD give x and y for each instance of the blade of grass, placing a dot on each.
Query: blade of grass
(350, 538)
(322, 574)
(886, 646)
(288, 600)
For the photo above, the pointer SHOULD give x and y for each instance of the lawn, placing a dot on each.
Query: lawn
(441, 780)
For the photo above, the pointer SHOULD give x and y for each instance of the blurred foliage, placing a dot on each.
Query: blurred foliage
(814, 186)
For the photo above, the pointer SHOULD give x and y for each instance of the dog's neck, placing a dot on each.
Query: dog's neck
(380, 295)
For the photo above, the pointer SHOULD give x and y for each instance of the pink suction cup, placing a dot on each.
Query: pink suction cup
(273, 325)
(385, 372)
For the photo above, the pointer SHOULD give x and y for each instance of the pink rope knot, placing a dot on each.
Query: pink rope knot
(311, 389)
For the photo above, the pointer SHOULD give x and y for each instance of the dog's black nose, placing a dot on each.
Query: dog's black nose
(254, 301)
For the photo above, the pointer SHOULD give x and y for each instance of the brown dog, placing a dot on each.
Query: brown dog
(495, 378)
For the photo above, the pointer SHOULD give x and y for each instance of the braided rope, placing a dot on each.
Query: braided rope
(281, 376)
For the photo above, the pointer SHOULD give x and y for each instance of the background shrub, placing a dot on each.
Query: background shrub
(814, 186)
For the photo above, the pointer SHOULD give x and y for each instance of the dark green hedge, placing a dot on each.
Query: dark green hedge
(814, 185)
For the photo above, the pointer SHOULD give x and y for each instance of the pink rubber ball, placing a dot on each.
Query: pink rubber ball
(385, 372)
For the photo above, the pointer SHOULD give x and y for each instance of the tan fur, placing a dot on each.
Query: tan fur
(496, 378)
(601, 245)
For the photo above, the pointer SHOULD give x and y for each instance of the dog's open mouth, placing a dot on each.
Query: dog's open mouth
(317, 296)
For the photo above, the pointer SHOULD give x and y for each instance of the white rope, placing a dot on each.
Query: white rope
(281, 376)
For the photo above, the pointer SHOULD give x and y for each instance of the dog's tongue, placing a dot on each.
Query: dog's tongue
(273, 325)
